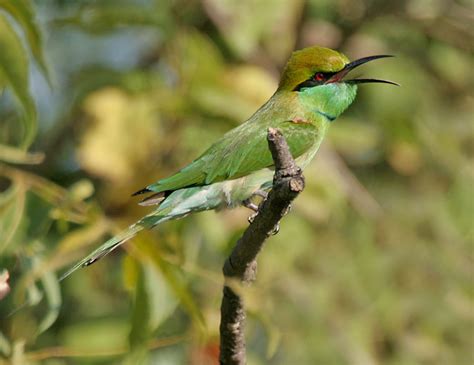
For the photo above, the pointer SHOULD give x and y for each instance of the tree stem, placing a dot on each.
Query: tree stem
(241, 265)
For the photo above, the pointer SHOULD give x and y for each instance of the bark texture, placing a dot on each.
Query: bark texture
(241, 265)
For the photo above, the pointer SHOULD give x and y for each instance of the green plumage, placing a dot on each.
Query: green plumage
(306, 62)
(237, 155)
(233, 168)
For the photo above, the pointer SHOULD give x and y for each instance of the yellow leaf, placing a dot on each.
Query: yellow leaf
(19, 156)
(122, 134)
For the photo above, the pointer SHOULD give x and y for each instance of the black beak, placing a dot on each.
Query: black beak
(337, 77)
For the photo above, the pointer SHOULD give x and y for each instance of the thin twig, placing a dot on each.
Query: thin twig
(241, 265)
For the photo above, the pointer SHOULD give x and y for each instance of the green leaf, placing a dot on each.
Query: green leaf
(12, 206)
(141, 313)
(272, 332)
(95, 336)
(67, 205)
(105, 16)
(174, 279)
(14, 69)
(35, 293)
(181, 290)
(154, 300)
(22, 12)
(245, 33)
(53, 296)
(162, 301)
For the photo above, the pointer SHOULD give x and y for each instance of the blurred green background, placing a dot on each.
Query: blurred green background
(373, 266)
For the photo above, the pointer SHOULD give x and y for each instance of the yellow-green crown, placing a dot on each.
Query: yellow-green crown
(306, 62)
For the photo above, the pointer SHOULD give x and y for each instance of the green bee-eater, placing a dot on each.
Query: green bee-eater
(311, 94)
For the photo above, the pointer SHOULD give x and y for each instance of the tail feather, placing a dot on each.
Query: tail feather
(175, 205)
(154, 199)
(106, 248)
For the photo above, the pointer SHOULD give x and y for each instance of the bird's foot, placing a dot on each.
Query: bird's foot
(261, 193)
(248, 203)
(251, 205)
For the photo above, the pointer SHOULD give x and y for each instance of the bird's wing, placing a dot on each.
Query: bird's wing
(247, 155)
(239, 153)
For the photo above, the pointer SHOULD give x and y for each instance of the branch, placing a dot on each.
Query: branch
(241, 265)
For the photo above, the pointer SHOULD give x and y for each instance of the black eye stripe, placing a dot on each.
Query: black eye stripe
(308, 83)
(315, 80)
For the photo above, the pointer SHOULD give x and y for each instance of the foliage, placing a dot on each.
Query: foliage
(372, 266)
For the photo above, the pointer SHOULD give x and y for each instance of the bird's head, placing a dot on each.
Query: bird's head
(317, 74)
(315, 66)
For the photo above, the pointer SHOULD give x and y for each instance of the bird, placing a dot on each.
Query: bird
(313, 91)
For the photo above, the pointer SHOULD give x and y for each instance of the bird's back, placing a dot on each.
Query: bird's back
(244, 149)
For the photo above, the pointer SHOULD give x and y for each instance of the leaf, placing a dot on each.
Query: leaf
(141, 312)
(35, 293)
(14, 69)
(182, 292)
(173, 277)
(69, 209)
(104, 17)
(16, 155)
(73, 241)
(81, 190)
(95, 336)
(108, 146)
(5, 346)
(272, 332)
(12, 206)
(53, 296)
(244, 32)
(156, 291)
(18, 355)
(161, 298)
(23, 13)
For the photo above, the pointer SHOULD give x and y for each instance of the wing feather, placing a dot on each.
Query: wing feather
(238, 154)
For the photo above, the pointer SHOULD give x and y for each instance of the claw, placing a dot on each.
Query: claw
(251, 218)
(275, 229)
(251, 205)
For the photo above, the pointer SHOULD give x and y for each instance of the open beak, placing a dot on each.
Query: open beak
(338, 77)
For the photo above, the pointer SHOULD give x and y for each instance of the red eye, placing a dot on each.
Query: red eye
(319, 76)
